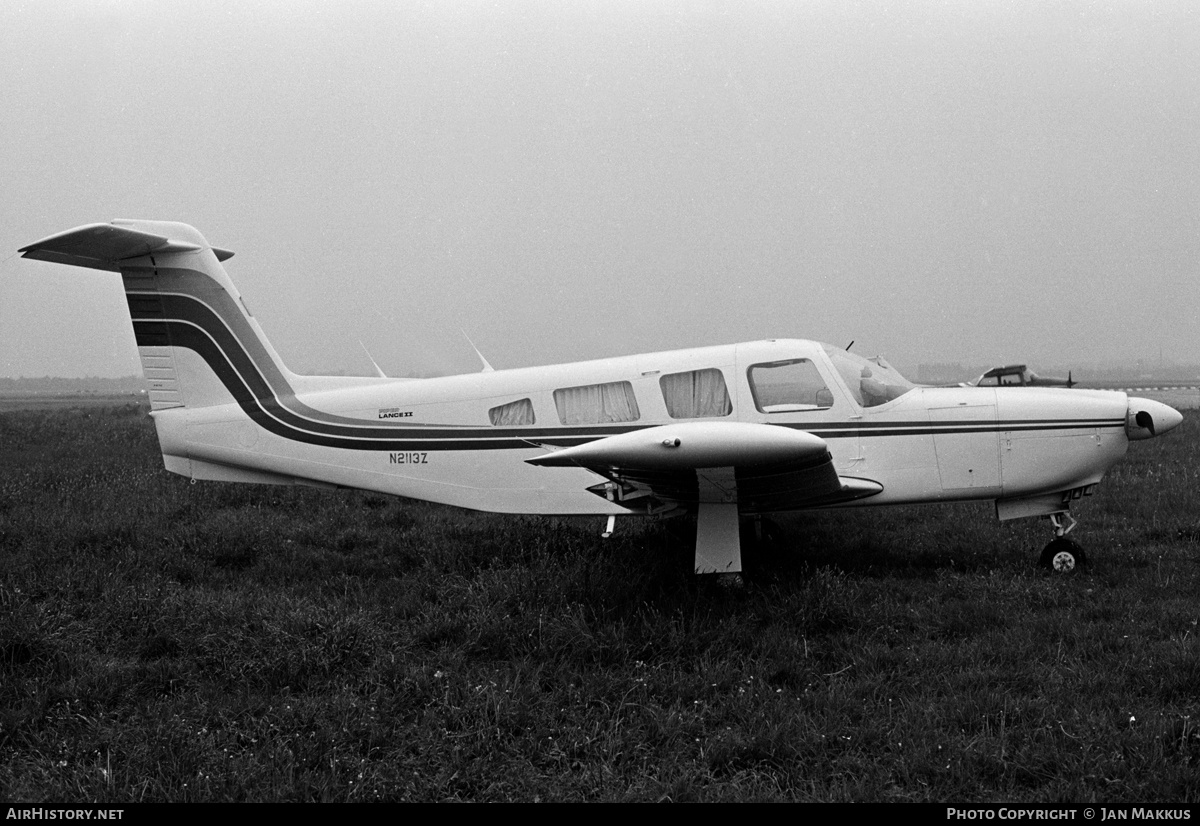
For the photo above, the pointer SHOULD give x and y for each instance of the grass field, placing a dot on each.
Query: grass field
(165, 641)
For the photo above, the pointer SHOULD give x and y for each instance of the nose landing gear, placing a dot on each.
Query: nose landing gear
(1062, 555)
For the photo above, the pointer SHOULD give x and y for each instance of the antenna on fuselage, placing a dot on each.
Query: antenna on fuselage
(487, 368)
(851, 344)
(378, 370)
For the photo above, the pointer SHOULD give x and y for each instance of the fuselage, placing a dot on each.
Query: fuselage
(463, 440)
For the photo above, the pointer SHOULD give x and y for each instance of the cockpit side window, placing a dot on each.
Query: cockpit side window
(788, 387)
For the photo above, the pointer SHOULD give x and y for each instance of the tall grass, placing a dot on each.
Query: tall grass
(167, 641)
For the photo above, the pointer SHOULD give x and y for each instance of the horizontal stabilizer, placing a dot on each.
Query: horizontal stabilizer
(104, 246)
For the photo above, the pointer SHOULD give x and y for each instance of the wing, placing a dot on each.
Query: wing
(758, 467)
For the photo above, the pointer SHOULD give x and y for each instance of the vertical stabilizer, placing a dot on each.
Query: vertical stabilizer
(198, 343)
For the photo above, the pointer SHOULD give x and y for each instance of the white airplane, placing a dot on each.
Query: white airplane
(728, 431)
(1018, 375)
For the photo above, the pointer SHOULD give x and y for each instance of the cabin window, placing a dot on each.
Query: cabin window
(512, 414)
(597, 403)
(696, 394)
(788, 387)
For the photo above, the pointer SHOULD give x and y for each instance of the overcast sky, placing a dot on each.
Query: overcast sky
(970, 181)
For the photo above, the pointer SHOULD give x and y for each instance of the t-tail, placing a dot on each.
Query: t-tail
(198, 343)
(200, 347)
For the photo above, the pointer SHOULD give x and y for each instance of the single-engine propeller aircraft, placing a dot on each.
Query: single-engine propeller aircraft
(727, 431)
(1018, 375)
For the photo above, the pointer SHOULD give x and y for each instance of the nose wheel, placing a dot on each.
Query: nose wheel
(1063, 555)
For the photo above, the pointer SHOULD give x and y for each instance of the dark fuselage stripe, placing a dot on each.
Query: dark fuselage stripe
(191, 323)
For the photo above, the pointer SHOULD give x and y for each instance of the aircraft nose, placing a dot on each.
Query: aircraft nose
(1147, 418)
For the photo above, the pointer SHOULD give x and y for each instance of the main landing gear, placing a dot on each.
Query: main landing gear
(1062, 555)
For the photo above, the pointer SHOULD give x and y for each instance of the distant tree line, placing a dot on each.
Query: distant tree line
(48, 385)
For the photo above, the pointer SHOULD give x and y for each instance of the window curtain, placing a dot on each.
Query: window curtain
(597, 403)
(696, 394)
(513, 413)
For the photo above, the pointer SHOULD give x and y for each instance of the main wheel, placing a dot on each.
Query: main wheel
(1063, 555)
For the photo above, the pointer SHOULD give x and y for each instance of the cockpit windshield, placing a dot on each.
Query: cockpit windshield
(872, 382)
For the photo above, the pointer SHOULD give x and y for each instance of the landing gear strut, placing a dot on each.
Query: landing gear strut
(1062, 555)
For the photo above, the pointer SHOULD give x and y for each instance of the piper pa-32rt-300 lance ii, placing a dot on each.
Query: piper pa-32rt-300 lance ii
(728, 432)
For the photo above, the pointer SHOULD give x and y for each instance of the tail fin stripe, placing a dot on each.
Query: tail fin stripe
(269, 415)
(244, 371)
(219, 315)
(176, 285)
(252, 395)
(191, 312)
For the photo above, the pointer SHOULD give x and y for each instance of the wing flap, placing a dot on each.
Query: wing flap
(786, 489)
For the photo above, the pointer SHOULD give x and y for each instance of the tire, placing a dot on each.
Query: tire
(1063, 556)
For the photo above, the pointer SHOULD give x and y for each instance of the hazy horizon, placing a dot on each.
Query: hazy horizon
(981, 183)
